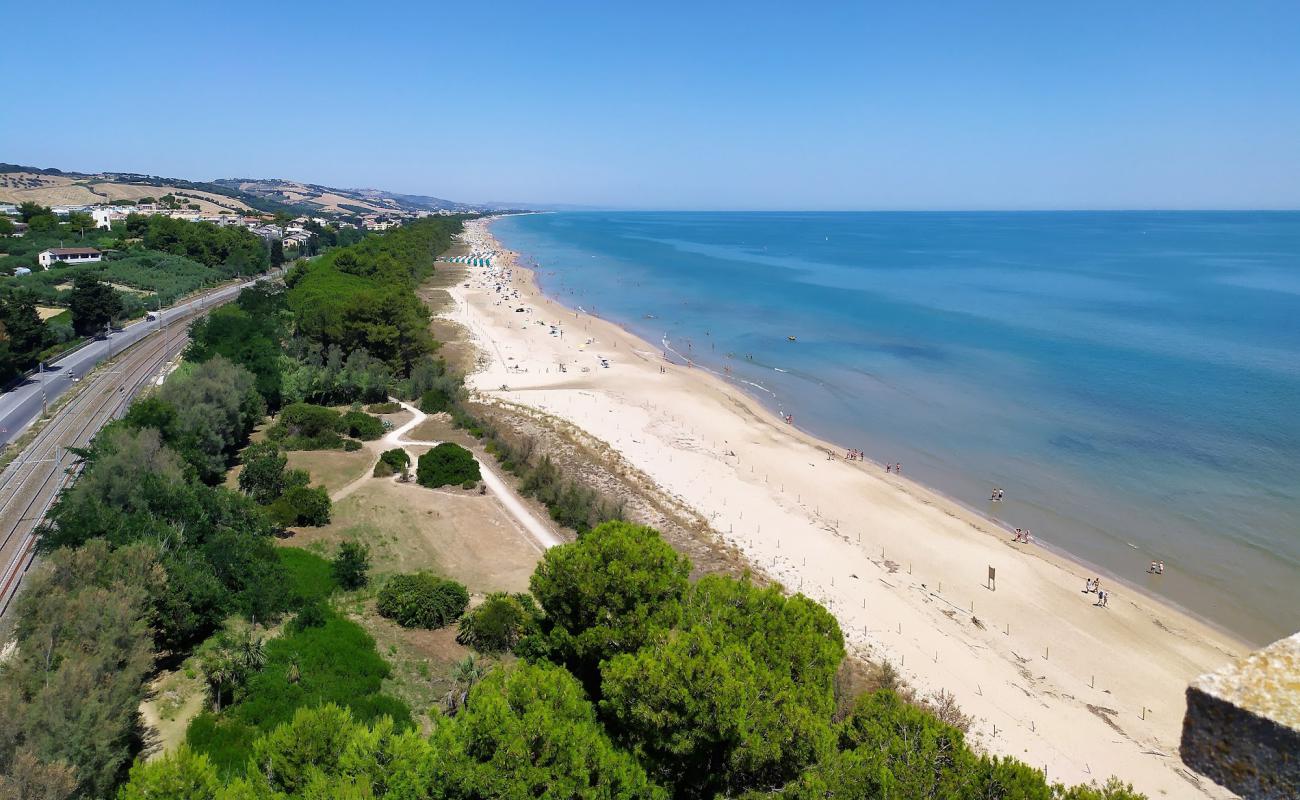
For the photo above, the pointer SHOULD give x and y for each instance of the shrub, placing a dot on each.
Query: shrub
(301, 505)
(499, 623)
(447, 464)
(351, 445)
(467, 485)
(351, 564)
(384, 408)
(312, 614)
(303, 426)
(309, 576)
(362, 425)
(437, 400)
(307, 420)
(422, 600)
(391, 462)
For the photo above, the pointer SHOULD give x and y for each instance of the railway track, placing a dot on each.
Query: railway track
(32, 482)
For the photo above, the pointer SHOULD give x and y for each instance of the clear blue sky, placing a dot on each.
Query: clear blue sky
(861, 105)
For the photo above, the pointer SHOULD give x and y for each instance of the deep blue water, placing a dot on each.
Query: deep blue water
(1132, 380)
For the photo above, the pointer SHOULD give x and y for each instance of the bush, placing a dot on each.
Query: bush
(384, 408)
(312, 614)
(333, 663)
(351, 445)
(351, 564)
(499, 623)
(301, 505)
(303, 426)
(362, 426)
(438, 399)
(447, 464)
(422, 600)
(468, 485)
(391, 462)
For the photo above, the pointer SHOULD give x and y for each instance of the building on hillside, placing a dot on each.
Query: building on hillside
(267, 232)
(10, 210)
(20, 228)
(68, 255)
(296, 239)
(105, 216)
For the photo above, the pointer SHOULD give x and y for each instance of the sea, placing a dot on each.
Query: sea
(1130, 380)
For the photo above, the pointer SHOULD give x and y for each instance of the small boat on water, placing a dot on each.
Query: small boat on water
(791, 339)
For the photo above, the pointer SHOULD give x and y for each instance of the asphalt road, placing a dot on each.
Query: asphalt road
(21, 405)
(30, 484)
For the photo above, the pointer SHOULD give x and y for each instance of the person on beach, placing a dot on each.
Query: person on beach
(1087, 585)
(1160, 568)
(889, 467)
(898, 468)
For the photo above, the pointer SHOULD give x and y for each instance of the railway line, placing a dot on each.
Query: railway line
(32, 482)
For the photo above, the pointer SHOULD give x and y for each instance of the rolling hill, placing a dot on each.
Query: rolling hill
(49, 186)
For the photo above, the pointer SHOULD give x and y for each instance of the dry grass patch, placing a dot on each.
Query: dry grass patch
(458, 534)
(333, 469)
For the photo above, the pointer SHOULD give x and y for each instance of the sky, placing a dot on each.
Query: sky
(666, 105)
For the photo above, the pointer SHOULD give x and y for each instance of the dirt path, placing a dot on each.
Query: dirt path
(395, 438)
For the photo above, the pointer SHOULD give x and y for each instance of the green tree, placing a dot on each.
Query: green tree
(93, 304)
(528, 731)
(446, 464)
(277, 253)
(43, 223)
(217, 405)
(73, 685)
(351, 564)
(29, 210)
(740, 698)
(6, 226)
(80, 222)
(182, 775)
(609, 592)
(262, 476)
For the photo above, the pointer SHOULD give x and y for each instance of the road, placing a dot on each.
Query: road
(29, 485)
(20, 406)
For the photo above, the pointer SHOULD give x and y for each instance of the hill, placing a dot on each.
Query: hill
(49, 186)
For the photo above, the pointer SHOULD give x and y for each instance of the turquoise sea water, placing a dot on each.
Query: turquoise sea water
(1132, 380)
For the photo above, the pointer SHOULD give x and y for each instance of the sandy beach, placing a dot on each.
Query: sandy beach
(1080, 690)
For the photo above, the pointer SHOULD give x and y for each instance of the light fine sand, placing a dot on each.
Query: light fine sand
(1080, 690)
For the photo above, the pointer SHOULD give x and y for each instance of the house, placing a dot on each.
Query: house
(105, 216)
(68, 255)
(20, 228)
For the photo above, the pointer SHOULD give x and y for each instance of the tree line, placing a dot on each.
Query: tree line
(632, 682)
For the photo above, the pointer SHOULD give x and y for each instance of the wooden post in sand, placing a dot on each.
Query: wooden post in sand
(993, 579)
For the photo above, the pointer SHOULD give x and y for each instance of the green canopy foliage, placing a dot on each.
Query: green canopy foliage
(499, 622)
(447, 464)
(422, 600)
(610, 592)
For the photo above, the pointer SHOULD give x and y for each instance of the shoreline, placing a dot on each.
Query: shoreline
(739, 385)
(976, 659)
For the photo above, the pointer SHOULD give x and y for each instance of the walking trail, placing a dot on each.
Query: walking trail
(536, 528)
